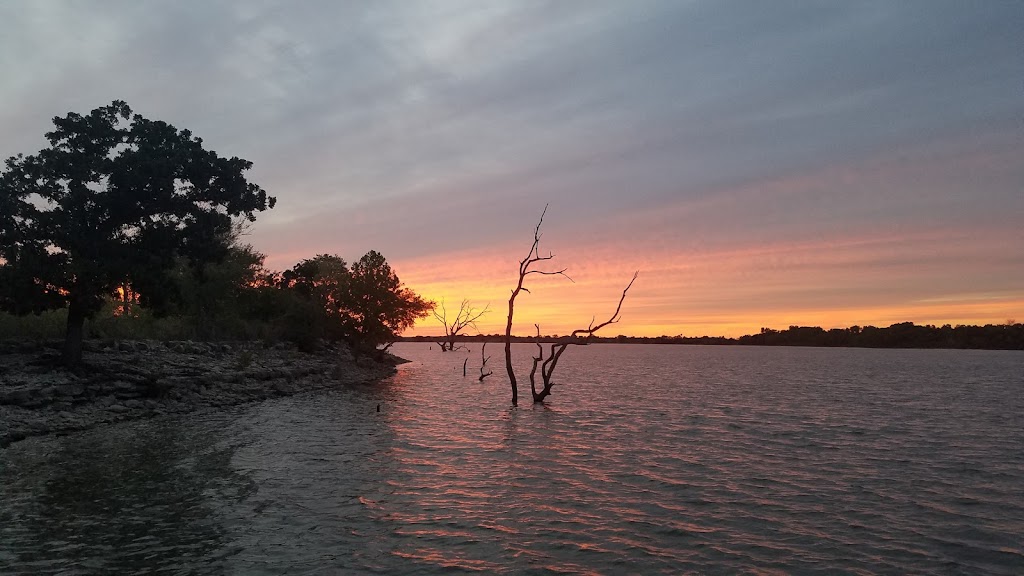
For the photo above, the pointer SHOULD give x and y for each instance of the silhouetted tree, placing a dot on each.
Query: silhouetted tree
(525, 269)
(366, 305)
(215, 298)
(548, 366)
(466, 317)
(376, 308)
(324, 278)
(116, 199)
(311, 303)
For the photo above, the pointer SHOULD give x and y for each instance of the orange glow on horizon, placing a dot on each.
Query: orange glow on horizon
(732, 291)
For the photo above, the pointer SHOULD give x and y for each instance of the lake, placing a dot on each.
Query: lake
(646, 460)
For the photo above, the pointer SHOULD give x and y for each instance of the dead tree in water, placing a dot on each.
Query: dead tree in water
(579, 337)
(465, 318)
(483, 363)
(533, 257)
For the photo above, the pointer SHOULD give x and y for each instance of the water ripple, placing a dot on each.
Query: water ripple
(715, 461)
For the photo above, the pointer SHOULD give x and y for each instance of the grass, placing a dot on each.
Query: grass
(52, 325)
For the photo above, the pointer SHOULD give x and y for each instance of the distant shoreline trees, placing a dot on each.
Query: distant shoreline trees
(1008, 336)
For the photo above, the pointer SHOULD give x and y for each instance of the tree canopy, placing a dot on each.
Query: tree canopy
(115, 199)
(366, 305)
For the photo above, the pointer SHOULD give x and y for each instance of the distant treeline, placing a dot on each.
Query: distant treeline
(903, 335)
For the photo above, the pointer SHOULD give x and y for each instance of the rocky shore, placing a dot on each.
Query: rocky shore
(127, 380)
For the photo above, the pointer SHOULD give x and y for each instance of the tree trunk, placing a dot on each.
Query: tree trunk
(538, 397)
(73, 338)
(508, 348)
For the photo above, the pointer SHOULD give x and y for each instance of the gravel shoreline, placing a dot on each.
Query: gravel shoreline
(129, 380)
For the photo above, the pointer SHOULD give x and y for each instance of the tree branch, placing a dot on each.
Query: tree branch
(466, 317)
(483, 363)
(547, 368)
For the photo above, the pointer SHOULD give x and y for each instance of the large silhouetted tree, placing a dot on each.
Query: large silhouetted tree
(116, 198)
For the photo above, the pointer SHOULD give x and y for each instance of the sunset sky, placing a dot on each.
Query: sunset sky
(760, 163)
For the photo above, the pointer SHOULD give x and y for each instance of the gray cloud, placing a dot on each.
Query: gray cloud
(457, 121)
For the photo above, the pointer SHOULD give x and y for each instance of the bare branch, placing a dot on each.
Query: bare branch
(483, 363)
(614, 317)
(550, 273)
(466, 317)
(547, 368)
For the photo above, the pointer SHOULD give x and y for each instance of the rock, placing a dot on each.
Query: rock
(37, 396)
(92, 346)
(70, 390)
(161, 387)
(16, 397)
(38, 427)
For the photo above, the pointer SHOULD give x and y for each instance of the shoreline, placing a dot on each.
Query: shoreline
(131, 380)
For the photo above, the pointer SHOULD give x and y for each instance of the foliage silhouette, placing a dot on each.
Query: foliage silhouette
(378, 306)
(115, 200)
(365, 305)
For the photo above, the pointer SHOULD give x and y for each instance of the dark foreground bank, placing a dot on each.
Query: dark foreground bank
(128, 380)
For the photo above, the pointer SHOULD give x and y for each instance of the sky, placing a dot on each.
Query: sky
(761, 164)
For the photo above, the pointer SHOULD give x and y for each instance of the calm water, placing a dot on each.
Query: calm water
(648, 459)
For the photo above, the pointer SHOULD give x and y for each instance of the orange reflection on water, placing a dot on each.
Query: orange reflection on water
(448, 559)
